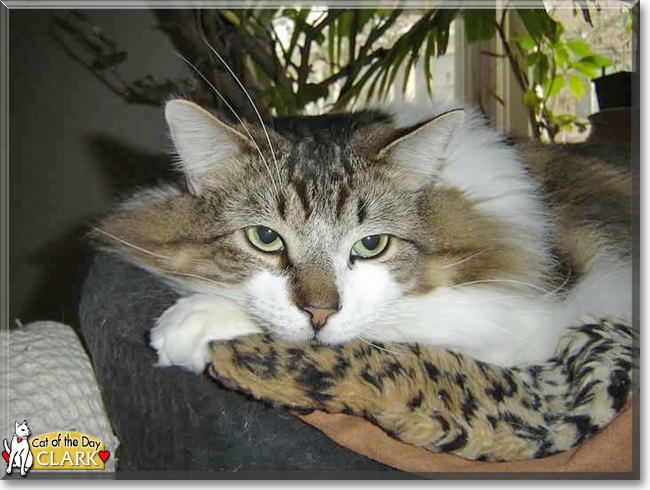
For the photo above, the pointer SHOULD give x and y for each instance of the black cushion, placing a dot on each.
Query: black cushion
(170, 421)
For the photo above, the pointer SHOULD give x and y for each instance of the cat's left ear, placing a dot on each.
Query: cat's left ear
(201, 140)
(423, 147)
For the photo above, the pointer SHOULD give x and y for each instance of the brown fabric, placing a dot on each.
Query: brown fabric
(609, 451)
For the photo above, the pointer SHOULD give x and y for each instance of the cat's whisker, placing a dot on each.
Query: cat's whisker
(525, 340)
(507, 281)
(404, 318)
(368, 321)
(136, 247)
(467, 258)
(169, 271)
(234, 112)
(380, 348)
(372, 334)
(224, 291)
(250, 99)
(561, 286)
(367, 328)
(390, 319)
(221, 293)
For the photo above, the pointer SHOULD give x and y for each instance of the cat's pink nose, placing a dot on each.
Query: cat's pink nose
(319, 316)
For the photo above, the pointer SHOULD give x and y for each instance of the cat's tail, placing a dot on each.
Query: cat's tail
(6, 446)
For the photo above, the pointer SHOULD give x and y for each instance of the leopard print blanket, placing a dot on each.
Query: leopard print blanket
(442, 401)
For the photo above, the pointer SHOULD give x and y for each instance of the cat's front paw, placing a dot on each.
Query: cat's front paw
(183, 333)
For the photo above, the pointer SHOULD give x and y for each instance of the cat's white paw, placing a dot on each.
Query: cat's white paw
(184, 331)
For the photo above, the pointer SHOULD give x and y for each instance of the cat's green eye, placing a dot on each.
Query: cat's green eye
(265, 239)
(370, 246)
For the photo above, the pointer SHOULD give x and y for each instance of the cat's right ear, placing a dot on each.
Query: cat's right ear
(201, 140)
(422, 148)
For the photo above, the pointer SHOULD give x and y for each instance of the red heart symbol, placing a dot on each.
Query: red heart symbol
(104, 455)
(5, 456)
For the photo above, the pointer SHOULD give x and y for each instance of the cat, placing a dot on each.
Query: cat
(421, 225)
(20, 454)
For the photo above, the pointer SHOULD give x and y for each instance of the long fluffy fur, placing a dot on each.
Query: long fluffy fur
(494, 251)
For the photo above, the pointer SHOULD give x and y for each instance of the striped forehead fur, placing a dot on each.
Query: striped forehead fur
(319, 163)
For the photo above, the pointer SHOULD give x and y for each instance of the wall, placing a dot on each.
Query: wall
(74, 145)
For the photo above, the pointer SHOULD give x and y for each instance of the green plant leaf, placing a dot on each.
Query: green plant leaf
(428, 54)
(576, 86)
(566, 122)
(597, 61)
(543, 66)
(289, 12)
(281, 98)
(331, 40)
(373, 85)
(299, 19)
(358, 86)
(345, 23)
(407, 71)
(442, 20)
(365, 15)
(586, 15)
(561, 55)
(352, 36)
(262, 77)
(538, 23)
(387, 81)
(532, 59)
(557, 35)
(526, 42)
(267, 15)
(339, 39)
(531, 99)
(231, 17)
(479, 24)
(579, 48)
(586, 69)
(553, 86)
(311, 92)
(540, 64)
(442, 40)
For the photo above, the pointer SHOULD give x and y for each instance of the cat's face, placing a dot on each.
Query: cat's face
(22, 430)
(327, 252)
(318, 238)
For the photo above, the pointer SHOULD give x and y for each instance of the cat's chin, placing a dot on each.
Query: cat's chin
(324, 337)
(293, 336)
(333, 337)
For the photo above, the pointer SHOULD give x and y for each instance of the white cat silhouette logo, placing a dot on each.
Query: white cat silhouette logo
(20, 454)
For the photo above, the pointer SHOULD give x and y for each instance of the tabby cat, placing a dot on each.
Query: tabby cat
(419, 225)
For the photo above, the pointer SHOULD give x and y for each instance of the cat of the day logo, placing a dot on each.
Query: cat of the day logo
(62, 450)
